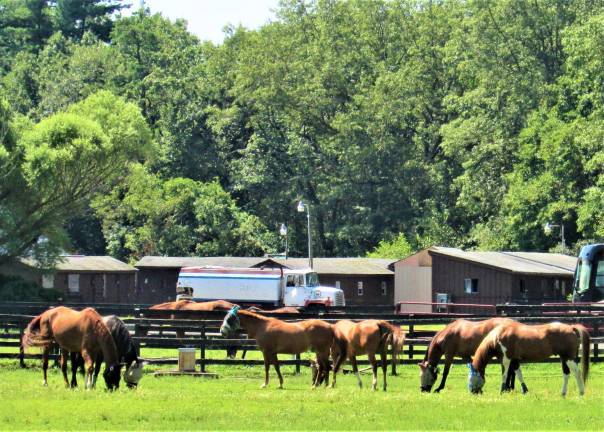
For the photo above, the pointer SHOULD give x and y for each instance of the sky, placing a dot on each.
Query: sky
(207, 18)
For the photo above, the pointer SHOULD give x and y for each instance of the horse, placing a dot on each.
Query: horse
(74, 331)
(126, 349)
(521, 342)
(458, 339)
(365, 337)
(274, 336)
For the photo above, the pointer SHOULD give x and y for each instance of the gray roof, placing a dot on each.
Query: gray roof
(82, 263)
(355, 266)
(178, 262)
(534, 263)
(341, 266)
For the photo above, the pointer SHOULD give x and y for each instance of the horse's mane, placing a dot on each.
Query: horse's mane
(126, 348)
(486, 349)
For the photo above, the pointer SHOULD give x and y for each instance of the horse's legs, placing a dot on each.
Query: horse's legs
(275, 361)
(63, 362)
(566, 375)
(45, 353)
(574, 367)
(374, 368)
(75, 360)
(89, 365)
(355, 369)
(443, 380)
(518, 373)
(339, 357)
(384, 357)
(97, 368)
(505, 364)
(267, 366)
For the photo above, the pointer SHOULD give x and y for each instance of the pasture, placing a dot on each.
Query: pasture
(235, 401)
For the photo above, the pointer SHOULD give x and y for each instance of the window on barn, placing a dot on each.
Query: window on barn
(48, 281)
(73, 283)
(523, 289)
(360, 289)
(338, 284)
(471, 286)
(104, 286)
(384, 288)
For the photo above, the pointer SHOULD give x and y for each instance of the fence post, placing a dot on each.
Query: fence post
(411, 336)
(21, 350)
(202, 362)
(596, 334)
(297, 357)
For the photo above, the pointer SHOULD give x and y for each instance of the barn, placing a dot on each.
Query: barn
(82, 279)
(456, 276)
(364, 280)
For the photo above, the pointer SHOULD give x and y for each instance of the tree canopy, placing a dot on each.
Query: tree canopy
(401, 123)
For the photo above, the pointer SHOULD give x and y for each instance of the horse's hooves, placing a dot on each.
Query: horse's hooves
(263, 386)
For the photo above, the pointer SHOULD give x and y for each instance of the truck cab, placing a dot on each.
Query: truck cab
(588, 285)
(302, 289)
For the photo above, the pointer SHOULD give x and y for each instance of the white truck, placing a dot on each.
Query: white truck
(273, 287)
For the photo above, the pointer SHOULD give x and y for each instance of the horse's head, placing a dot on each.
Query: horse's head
(230, 324)
(112, 376)
(134, 373)
(475, 380)
(427, 375)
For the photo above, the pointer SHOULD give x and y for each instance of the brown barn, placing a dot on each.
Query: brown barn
(456, 276)
(83, 279)
(364, 280)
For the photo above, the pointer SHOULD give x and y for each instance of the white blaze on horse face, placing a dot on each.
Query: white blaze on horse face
(427, 376)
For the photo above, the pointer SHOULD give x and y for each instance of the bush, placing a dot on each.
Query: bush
(15, 288)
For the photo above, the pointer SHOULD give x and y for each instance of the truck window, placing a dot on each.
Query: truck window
(291, 281)
(312, 279)
(300, 280)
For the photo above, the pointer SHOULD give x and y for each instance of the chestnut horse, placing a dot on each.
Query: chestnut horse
(126, 349)
(458, 339)
(274, 337)
(232, 352)
(365, 337)
(521, 342)
(75, 331)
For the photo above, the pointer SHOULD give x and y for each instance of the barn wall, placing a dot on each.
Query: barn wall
(372, 288)
(156, 285)
(448, 276)
(413, 284)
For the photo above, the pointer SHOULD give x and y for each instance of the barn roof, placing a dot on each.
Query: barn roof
(82, 263)
(531, 263)
(178, 262)
(342, 266)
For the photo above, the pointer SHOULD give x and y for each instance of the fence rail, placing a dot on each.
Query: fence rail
(202, 332)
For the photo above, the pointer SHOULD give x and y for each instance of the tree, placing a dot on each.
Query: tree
(53, 168)
(75, 17)
(397, 248)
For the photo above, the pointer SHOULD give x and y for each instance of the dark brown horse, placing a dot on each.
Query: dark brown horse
(458, 339)
(126, 349)
(274, 337)
(366, 337)
(74, 331)
(521, 342)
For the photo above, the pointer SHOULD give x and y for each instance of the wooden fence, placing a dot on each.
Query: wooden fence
(202, 332)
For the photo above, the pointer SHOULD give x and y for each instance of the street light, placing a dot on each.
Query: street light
(283, 232)
(301, 208)
(548, 229)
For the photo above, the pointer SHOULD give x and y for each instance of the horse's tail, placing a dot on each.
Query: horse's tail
(33, 336)
(582, 332)
(396, 337)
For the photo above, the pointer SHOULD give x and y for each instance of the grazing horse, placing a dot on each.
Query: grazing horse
(74, 331)
(126, 349)
(458, 339)
(365, 337)
(274, 337)
(521, 342)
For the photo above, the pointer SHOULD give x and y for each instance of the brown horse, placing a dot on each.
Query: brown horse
(274, 337)
(75, 331)
(521, 342)
(458, 339)
(365, 337)
(283, 310)
(217, 305)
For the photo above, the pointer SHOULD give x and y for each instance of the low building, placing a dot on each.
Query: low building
(363, 280)
(452, 275)
(82, 279)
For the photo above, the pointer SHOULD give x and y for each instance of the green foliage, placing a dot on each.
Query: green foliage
(397, 248)
(14, 288)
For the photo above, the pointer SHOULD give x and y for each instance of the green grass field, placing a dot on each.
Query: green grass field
(235, 401)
